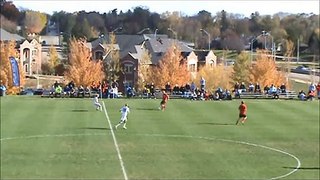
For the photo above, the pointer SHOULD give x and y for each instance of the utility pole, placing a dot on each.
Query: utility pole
(298, 49)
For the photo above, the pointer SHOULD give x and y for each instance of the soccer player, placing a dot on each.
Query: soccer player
(96, 103)
(165, 98)
(124, 116)
(242, 113)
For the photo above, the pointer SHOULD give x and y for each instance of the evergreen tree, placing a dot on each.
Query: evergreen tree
(241, 68)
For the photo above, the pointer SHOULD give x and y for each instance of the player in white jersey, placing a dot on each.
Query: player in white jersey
(96, 103)
(124, 116)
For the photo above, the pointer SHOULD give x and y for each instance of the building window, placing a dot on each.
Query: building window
(98, 55)
(128, 68)
(34, 52)
(211, 64)
(192, 67)
(26, 68)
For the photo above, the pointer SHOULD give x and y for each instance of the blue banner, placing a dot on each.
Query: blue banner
(15, 71)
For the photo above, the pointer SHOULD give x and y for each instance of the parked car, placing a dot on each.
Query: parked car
(38, 92)
(302, 70)
(27, 91)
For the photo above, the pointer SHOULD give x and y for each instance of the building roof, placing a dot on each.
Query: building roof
(6, 36)
(157, 44)
(202, 54)
(126, 42)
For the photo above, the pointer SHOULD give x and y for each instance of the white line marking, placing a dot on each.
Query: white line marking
(166, 135)
(239, 142)
(115, 143)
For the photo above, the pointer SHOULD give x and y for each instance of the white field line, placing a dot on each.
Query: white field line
(166, 135)
(115, 143)
(239, 142)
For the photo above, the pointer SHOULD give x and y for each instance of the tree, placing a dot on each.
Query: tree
(7, 50)
(143, 69)
(82, 70)
(215, 77)
(82, 29)
(8, 25)
(171, 68)
(314, 41)
(111, 64)
(241, 68)
(34, 21)
(54, 60)
(9, 10)
(265, 72)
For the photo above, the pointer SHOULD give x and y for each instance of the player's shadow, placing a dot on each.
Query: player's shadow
(303, 168)
(147, 109)
(96, 128)
(79, 110)
(215, 124)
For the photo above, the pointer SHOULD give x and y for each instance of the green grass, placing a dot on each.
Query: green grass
(66, 138)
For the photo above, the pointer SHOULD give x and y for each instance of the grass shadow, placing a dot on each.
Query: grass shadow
(216, 124)
(96, 128)
(147, 109)
(80, 110)
(303, 168)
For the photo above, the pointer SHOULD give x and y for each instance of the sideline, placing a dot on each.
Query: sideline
(168, 135)
(115, 143)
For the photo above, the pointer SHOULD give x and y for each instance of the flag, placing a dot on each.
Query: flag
(15, 71)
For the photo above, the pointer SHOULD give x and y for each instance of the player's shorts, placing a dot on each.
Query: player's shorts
(163, 102)
(242, 116)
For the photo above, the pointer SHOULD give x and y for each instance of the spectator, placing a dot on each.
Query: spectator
(129, 92)
(168, 88)
(273, 91)
(55, 85)
(283, 88)
(266, 89)
(81, 91)
(176, 90)
(58, 91)
(114, 84)
(311, 95)
(152, 90)
(67, 91)
(187, 87)
(182, 90)
(236, 87)
(193, 87)
(302, 95)
(318, 90)
(312, 87)
(251, 88)
(3, 90)
(257, 88)
(202, 83)
(243, 87)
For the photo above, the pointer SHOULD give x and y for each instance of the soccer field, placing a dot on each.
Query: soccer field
(51, 138)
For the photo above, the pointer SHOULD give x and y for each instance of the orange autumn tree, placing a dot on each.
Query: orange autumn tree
(7, 50)
(218, 76)
(265, 72)
(82, 70)
(171, 68)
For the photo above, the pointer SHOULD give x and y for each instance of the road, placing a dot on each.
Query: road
(304, 78)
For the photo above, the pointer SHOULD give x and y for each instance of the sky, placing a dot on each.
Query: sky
(186, 7)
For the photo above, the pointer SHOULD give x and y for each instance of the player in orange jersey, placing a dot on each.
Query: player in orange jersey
(242, 113)
(165, 98)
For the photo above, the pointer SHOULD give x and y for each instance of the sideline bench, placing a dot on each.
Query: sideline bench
(252, 95)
